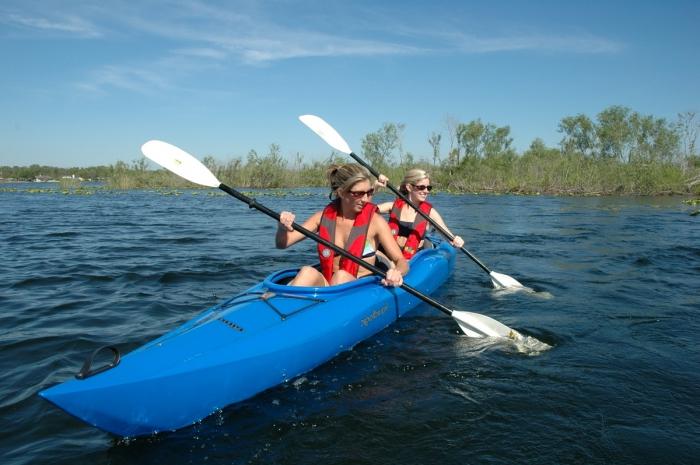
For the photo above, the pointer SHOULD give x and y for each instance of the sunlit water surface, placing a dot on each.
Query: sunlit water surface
(615, 284)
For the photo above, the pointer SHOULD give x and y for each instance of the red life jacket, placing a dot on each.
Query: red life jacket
(356, 241)
(418, 228)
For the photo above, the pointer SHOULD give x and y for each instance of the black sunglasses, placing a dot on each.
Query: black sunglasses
(360, 194)
(422, 188)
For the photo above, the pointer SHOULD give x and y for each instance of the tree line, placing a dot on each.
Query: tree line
(620, 151)
(30, 173)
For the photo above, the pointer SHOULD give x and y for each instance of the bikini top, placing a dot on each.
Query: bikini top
(369, 250)
(405, 228)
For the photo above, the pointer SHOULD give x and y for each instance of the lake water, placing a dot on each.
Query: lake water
(617, 297)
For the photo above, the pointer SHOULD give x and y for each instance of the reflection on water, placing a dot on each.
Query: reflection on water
(612, 320)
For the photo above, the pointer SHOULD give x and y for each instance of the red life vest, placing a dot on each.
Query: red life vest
(356, 241)
(418, 228)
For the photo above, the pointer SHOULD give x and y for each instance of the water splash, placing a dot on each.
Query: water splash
(518, 343)
(506, 291)
(530, 345)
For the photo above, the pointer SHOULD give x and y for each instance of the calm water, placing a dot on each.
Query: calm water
(620, 385)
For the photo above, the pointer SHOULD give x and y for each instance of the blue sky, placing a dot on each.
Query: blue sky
(87, 82)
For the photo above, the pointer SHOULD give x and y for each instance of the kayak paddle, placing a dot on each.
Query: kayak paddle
(326, 132)
(188, 167)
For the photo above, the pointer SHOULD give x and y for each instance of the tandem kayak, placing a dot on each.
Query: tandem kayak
(261, 338)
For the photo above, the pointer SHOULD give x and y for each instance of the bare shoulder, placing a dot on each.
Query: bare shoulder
(385, 207)
(379, 224)
(317, 215)
(379, 219)
(314, 220)
(434, 213)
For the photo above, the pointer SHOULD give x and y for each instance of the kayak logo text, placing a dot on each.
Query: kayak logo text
(374, 315)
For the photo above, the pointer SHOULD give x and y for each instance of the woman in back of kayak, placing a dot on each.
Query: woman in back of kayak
(351, 222)
(407, 226)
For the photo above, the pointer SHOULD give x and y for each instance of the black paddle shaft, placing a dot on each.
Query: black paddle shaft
(252, 203)
(418, 211)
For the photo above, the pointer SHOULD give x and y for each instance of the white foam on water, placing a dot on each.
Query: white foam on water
(530, 346)
(523, 344)
(506, 291)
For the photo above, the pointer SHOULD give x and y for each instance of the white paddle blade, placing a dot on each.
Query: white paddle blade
(179, 162)
(326, 132)
(477, 325)
(502, 281)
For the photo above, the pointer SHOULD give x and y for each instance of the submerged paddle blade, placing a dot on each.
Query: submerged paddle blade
(326, 132)
(503, 281)
(179, 162)
(477, 325)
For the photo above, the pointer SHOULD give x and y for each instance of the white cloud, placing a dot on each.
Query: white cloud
(70, 24)
(262, 31)
(563, 44)
(133, 79)
(287, 46)
(202, 52)
(195, 34)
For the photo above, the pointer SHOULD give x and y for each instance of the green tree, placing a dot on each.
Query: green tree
(687, 129)
(652, 139)
(614, 133)
(538, 149)
(434, 141)
(479, 140)
(497, 141)
(579, 135)
(379, 146)
(470, 138)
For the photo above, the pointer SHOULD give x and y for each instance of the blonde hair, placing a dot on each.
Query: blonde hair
(412, 177)
(345, 176)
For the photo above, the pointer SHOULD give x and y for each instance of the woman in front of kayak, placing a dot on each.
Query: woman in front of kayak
(351, 222)
(407, 226)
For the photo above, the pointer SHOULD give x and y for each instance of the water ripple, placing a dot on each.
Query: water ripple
(619, 384)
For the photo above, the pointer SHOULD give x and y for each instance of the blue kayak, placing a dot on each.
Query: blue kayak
(261, 338)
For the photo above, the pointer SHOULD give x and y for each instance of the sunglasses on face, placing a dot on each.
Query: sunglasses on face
(360, 194)
(422, 187)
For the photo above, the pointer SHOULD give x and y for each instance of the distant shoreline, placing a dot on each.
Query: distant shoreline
(93, 187)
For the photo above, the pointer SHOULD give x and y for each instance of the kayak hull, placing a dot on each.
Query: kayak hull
(261, 338)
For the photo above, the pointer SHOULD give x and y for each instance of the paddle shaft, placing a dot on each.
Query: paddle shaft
(252, 203)
(419, 211)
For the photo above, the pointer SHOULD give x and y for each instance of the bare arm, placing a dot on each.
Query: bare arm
(385, 207)
(381, 181)
(391, 248)
(435, 216)
(287, 236)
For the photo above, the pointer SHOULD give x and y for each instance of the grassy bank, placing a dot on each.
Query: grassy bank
(559, 174)
(548, 173)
